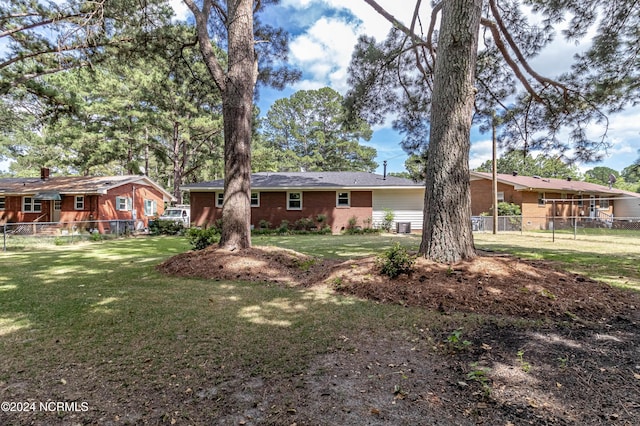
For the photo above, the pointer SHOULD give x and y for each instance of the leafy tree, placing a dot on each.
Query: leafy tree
(601, 175)
(431, 79)
(152, 115)
(232, 27)
(416, 165)
(526, 164)
(308, 131)
(631, 173)
(42, 38)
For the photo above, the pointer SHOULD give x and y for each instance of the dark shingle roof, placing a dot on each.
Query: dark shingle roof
(313, 180)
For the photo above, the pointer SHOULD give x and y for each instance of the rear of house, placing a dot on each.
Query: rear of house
(335, 197)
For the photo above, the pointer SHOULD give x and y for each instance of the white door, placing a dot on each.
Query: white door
(56, 207)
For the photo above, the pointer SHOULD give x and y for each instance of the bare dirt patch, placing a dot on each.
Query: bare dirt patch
(549, 347)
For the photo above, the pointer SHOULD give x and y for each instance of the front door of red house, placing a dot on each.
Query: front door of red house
(56, 207)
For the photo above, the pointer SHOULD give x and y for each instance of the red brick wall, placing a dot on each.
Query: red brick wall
(482, 196)
(203, 208)
(273, 208)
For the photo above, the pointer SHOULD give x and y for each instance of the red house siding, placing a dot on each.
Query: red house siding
(535, 216)
(273, 208)
(96, 207)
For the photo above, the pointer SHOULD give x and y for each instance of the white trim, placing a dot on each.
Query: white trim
(257, 193)
(75, 202)
(127, 204)
(343, 206)
(288, 200)
(219, 199)
(32, 205)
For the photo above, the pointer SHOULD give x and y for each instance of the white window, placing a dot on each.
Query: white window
(255, 199)
(343, 199)
(79, 202)
(30, 205)
(150, 207)
(500, 196)
(219, 199)
(123, 203)
(294, 200)
(604, 203)
(3, 203)
(57, 205)
(541, 201)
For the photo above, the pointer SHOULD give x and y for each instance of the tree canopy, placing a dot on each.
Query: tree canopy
(481, 56)
(307, 131)
(526, 164)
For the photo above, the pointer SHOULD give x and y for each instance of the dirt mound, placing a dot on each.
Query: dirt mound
(272, 264)
(489, 284)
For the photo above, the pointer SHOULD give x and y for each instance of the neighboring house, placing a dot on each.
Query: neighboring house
(81, 198)
(538, 196)
(337, 195)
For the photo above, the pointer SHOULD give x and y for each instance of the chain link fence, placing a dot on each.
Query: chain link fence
(17, 236)
(575, 226)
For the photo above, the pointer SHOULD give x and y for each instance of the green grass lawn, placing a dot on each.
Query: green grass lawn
(105, 302)
(613, 258)
(96, 322)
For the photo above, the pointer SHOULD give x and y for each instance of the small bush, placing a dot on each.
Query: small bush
(321, 218)
(396, 261)
(284, 227)
(264, 224)
(203, 238)
(304, 224)
(387, 221)
(165, 227)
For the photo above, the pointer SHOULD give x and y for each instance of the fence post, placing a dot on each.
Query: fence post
(4, 237)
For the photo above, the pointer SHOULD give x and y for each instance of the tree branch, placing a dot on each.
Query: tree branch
(210, 60)
(507, 57)
(514, 47)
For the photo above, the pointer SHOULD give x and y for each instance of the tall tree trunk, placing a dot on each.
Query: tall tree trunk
(177, 172)
(237, 111)
(447, 233)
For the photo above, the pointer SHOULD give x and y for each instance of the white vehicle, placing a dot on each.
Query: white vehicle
(178, 214)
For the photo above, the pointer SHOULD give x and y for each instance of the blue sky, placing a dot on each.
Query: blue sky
(324, 32)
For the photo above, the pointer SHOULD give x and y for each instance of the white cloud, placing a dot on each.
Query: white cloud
(481, 151)
(324, 52)
(180, 9)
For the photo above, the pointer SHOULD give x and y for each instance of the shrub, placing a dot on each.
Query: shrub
(508, 209)
(165, 227)
(304, 224)
(396, 261)
(321, 218)
(284, 227)
(264, 224)
(203, 238)
(387, 221)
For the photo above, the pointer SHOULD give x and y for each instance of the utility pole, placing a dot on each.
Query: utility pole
(494, 172)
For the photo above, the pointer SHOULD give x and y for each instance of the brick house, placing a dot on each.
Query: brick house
(538, 196)
(337, 195)
(81, 198)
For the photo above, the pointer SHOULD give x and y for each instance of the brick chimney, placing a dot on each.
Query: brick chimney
(44, 173)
